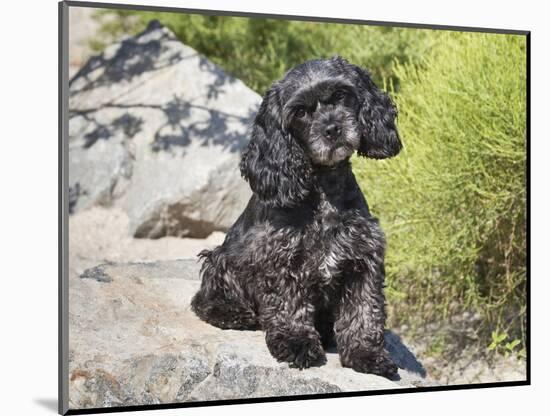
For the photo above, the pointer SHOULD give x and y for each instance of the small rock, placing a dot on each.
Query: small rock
(97, 273)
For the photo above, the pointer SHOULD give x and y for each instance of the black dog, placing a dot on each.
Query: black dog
(305, 260)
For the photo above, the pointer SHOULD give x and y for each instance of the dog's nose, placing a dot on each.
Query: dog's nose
(332, 131)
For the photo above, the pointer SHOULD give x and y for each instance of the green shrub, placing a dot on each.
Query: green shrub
(260, 51)
(453, 204)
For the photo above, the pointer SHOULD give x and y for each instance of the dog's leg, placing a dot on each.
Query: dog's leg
(224, 313)
(220, 300)
(291, 336)
(324, 323)
(359, 328)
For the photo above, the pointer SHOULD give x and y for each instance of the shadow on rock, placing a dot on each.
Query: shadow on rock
(134, 56)
(402, 356)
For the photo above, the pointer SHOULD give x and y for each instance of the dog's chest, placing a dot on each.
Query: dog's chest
(328, 217)
(326, 242)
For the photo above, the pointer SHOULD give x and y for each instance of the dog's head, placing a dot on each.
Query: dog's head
(316, 117)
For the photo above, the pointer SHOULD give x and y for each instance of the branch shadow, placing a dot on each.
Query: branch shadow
(134, 56)
(148, 52)
(213, 130)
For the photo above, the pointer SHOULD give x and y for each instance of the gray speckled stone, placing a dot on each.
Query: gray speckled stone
(157, 129)
(134, 340)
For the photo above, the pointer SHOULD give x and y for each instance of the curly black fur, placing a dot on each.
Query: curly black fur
(305, 260)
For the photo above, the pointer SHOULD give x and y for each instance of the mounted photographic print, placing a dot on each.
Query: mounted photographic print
(259, 208)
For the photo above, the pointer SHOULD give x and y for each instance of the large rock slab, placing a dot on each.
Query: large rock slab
(134, 340)
(157, 129)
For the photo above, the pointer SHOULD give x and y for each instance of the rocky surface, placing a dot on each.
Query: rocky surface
(100, 235)
(453, 353)
(473, 367)
(156, 129)
(134, 341)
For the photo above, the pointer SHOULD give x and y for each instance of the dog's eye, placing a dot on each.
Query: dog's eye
(338, 95)
(300, 112)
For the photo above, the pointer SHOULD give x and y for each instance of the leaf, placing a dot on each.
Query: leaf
(511, 345)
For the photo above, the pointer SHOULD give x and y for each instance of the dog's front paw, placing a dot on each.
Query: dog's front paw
(301, 349)
(378, 363)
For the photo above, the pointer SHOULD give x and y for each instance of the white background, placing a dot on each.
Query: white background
(28, 175)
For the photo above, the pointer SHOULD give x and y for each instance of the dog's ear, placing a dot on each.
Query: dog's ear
(274, 164)
(377, 116)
